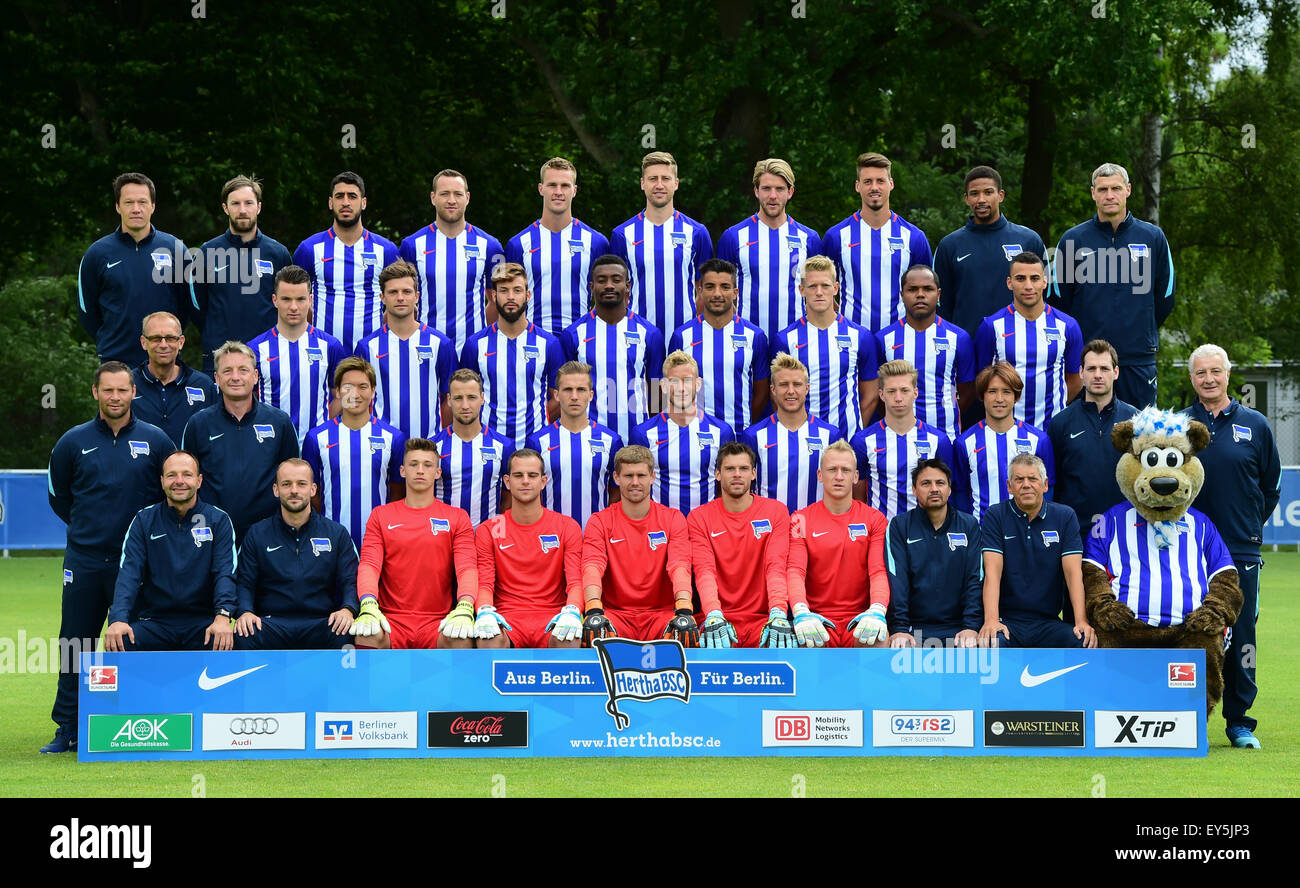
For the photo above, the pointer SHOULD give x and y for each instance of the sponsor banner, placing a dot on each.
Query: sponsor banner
(585, 677)
(140, 733)
(1032, 727)
(1114, 729)
(367, 730)
(811, 727)
(254, 730)
(457, 730)
(913, 727)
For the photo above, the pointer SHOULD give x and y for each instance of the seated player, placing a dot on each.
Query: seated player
(1032, 554)
(636, 562)
(529, 567)
(739, 546)
(297, 574)
(934, 566)
(176, 587)
(416, 551)
(837, 562)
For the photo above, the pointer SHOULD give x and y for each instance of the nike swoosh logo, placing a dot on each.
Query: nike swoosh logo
(137, 397)
(534, 250)
(1083, 253)
(917, 540)
(222, 267)
(769, 446)
(1251, 566)
(638, 243)
(1074, 435)
(215, 437)
(207, 683)
(91, 450)
(112, 264)
(717, 534)
(506, 546)
(820, 534)
(981, 449)
(1012, 537)
(588, 339)
(960, 258)
(619, 540)
(157, 536)
(1033, 681)
(391, 526)
(273, 548)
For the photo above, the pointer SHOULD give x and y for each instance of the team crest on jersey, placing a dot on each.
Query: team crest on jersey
(956, 541)
(794, 241)
(679, 239)
(439, 525)
(1049, 537)
(923, 449)
(576, 247)
(549, 541)
(707, 439)
(896, 245)
(657, 538)
(761, 526)
(595, 445)
(161, 260)
(423, 353)
(532, 353)
(1052, 334)
(739, 341)
(315, 353)
(264, 266)
(263, 431)
(473, 251)
(1010, 250)
(941, 345)
(371, 259)
(139, 448)
(67, 576)
(1024, 445)
(857, 530)
(1139, 251)
(377, 443)
(319, 545)
(1240, 433)
(843, 342)
(193, 394)
(201, 535)
(489, 453)
(632, 337)
(814, 445)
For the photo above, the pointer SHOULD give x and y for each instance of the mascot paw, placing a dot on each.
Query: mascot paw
(1204, 620)
(1113, 617)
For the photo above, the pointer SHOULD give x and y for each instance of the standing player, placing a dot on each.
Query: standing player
(356, 456)
(344, 262)
(135, 271)
(873, 248)
(840, 355)
(101, 473)
(663, 248)
(235, 272)
(168, 391)
(240, 442)
(636, 562)
(453, 261)
(623, 349)
(418, 571)
(888, 450)
(1044, 344)
(732, 352)
(557, 250)
(295, 360)
(576, 452)
(472, 458)
(684, 439)
(529, 567)
(768, 250)
(836, 574)
(942, 353)
(515, 359)
(739, 546)
(790, 442)
(1115, 274)
(984, 451)
(412, 361)
(972, 261)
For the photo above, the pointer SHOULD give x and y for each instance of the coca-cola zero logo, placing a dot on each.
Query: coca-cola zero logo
(456, 730)
(488, 725)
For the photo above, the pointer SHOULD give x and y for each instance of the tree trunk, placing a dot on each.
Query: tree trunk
(1040, 142)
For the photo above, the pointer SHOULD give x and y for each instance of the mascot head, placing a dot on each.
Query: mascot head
(1159, 472)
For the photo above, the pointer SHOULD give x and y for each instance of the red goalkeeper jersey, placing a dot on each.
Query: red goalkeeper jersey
(635, 557)
(535, 565)
(413, 551)
(838, 559)
(740, 557)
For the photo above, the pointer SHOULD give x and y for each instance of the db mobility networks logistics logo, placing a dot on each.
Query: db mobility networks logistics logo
(642, 670)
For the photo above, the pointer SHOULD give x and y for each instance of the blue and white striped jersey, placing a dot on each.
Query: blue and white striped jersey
(579, 466)
(768, 263)
(454, 275)
(788, 459)
(410, 377)
(663, 260)
(346, 300)
(626, 360)
(943, 356)
(354, 468)
(518, 375)
(684, 457)
(1161, 586)
(472, 470)
(886, 460)
(981, 457)
(559, 270)
(1044, 351)
(297, 376)
(837, 358)
(731, 360)
(871, 262)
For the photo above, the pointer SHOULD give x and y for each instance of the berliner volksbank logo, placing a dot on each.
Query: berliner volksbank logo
(642, 670)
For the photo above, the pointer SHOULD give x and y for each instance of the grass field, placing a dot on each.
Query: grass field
(29, 601)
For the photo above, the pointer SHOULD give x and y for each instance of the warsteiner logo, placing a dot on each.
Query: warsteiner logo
(642, 670)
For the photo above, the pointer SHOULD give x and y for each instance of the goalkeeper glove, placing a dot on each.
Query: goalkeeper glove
(777, 633)
(871, 625)
(460, 622)
(808, 627)
(370, 620)
(567, 624)
(717, 632)
(682, 628)
(596, 625)
(489, 623)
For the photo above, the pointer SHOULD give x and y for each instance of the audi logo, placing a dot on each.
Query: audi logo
(254, 725)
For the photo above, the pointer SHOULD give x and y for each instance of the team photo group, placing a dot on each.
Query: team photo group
(774, 438)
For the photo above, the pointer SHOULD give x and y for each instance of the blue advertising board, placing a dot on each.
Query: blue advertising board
(666, 701)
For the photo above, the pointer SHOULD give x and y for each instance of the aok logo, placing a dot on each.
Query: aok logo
(793, 727)
(142, 730)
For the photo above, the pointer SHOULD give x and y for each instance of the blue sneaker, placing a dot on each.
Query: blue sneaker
(64, 741)
(1240, 735)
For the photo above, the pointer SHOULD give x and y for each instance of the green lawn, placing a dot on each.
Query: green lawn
(29, 601)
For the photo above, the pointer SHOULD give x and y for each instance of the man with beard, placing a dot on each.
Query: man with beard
(471, 456)
(168, 391)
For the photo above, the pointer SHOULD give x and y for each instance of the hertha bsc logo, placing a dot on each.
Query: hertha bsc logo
(263, 432)
(761, 527)
(956, 540)
(642, 670)
(549, 542)
(1050, 537)
(319, 545)
(657, 538)
(139, 448)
